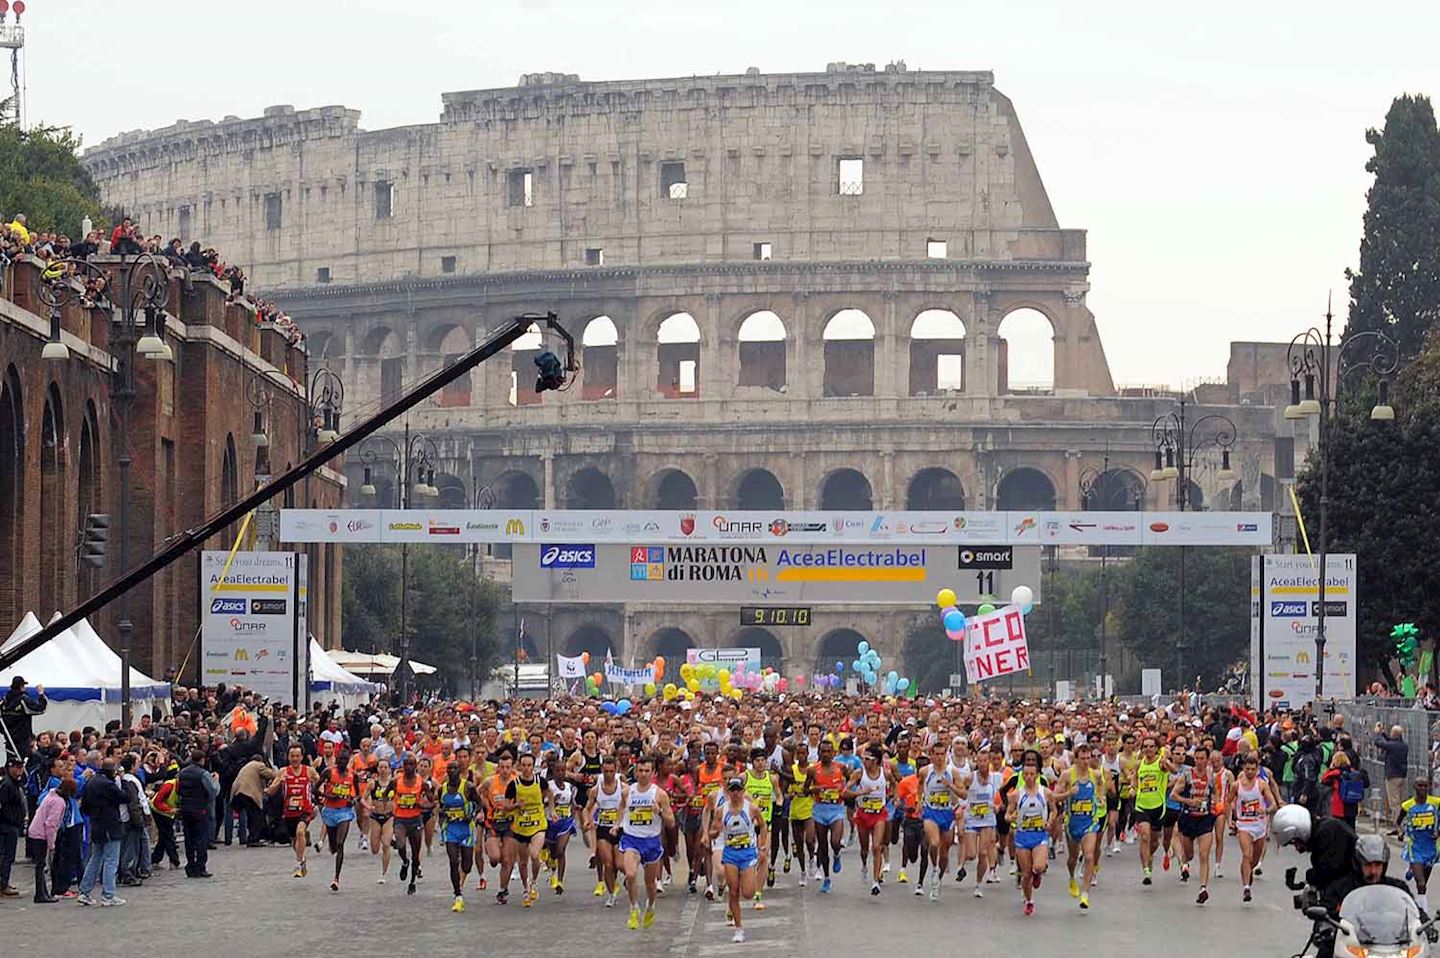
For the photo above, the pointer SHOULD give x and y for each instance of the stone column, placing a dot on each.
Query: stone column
(982, 373)
(804, 356)
(1071, 494)
(886, 353)
(709, 494)
(547, 462)
(717, 377)
(884, 495)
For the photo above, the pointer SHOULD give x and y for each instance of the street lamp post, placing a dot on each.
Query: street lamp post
(1177, 444)
(415, 471)
(482, 497)
(1104, 489)
(1309, 357)
(143, 286)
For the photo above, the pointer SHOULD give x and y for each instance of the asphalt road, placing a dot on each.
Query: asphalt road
(253, 906)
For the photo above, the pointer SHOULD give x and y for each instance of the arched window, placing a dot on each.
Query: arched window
(522, 367)
(590, 489)
(1025, 490)
(849, 340)
(935, 490)
(678, 355)
(673, 490)
(937, 353)
(758, 490)
(846, 490)
(761, 343)
(599, 359)
(1026, 349)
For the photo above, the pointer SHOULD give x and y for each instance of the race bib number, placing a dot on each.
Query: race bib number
(455, 815)
(609, 817)
(979, 810)
(562, 811)
(1422, 820)
(1032, 823)
(1082, 807)
(406, 801)
(738, 841)
(296, 803)
(872, 804)
(1149, 782)
(642, 816)
(529, 819)
(829, 796)
(1250, 808)
(341, 791)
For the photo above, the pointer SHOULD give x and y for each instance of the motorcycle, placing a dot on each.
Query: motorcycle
(1376, 921)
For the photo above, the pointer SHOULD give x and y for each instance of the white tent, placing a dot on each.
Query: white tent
(380, 663)
(328, 679)
(81, 675)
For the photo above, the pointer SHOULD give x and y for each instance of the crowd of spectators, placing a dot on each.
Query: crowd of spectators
(126, 239)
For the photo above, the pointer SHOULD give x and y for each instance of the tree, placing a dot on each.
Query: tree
(1396, 289)
(1145, 600)
(448, 610)
(1384, 505)
(41, 176)
(930, 657)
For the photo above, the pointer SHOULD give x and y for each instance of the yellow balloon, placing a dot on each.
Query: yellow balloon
(686, 671)
(945, 599)
(689, 695)
(724, 676)
(692, 685)
(649, 688)
(736, 693)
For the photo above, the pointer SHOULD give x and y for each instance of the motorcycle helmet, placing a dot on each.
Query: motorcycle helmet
(1292, 824)
(1371, 848)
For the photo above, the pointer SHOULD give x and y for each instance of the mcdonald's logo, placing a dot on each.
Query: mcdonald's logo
(242, 655)
(514, 527)
(1302, 657)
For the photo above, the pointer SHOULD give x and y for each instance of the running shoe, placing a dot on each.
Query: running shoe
(380, 880)
(709, 892)
(634, 921)
(802, 879)
(554, 880)
(1074, 888)
(404, 870)
(84, 900)
(305, 870)
(1219, 872)
(934, 891)
(483, 884)
(919, 890)
(739, 935)
(1084, 902)
(770, 878)
(1203, 897)
(692, 886)
(825, 887)
(459, 904)
(410, 888)
(1165, 862)
(978, 892)
(609, 901)
(818, 874)
(836, 866)
(1147, 880)
(111, 902)
(559, 888)
(1029, 908)
(1185, 872)
(334, 884)
(787, 864)
(758, 896)
(525, 900)
(903, 878)
(300, 872)
(1257, 871)
(875, 888)
(1246, 897)
(502, 897)
(649, 920)
(961, 875)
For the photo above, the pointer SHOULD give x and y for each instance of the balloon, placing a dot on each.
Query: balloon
(945, 598)
(585, 657)
(692, 685)
(609, 708)
(735, 694)
(903, 685)
(1022, 595)
(623, 707)
(986, 609)
(649, 688)
(670, 691)
(659, 667)
(590, 685)
(955, 636)
(857, 665)
(1026, 608)
(862, 647)
(839, 667)
(782, 685)
(799, 680)
(686, 670)
(724, 676)
(689, 695)
(954, 621)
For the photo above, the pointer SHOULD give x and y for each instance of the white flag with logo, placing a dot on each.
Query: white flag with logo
(571, 666)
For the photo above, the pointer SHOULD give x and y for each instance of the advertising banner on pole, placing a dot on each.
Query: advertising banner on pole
(1284, 611)
(754, 574)
(726, 658)
(995, 645)
(249, 620)
(776, 528)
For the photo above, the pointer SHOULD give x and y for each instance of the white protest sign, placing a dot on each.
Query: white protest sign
(995, 645)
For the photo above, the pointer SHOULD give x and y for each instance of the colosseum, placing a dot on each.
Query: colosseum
(792, 290)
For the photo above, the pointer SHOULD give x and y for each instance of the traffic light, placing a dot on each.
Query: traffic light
(95, 539)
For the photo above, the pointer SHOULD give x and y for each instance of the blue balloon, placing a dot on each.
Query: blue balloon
(903, 684)
(623, 707)
(1025, 609)
(858, 665)
(954, 621)
(609, 708)
(839, 667)
(893, 676)
(863, 647)
(873, 656)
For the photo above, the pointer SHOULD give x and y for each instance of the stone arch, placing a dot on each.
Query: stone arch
(323, 344)
(935, 489)
(1114, 490)
(846, 490)
(672, 490)
(1025, 351)
(1025, 489)
(837, 645)
(12, 493)
(522, 366)
(516, 490)
(677, 355)
(849, 343)
(937, 353)
(594, 639)
(599, 359)
(55, 539)
(453, 494)
(450, 342)
(590, 488)
(671, 642)
(761, 346)
(381, 342)
(772, 652)
(757, 490)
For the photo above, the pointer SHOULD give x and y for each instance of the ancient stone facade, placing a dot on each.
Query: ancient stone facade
(790, 291)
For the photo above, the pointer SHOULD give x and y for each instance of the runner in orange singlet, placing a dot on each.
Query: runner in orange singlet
(296, 779)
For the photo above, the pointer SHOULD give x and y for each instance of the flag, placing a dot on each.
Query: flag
(571, 666)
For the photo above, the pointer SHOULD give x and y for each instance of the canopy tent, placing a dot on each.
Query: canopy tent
(328, 677)
(379, 663)
(81, 675)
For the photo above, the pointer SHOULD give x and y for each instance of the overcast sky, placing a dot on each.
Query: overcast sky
(1216, 154)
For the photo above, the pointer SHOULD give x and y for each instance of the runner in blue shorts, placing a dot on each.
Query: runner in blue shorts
(741, 825)
(938, 794)
(645, 812)
(827, 783)
(1030, 811)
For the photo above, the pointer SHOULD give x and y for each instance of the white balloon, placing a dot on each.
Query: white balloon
(1022, 596)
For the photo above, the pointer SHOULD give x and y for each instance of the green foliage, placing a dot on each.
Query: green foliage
(447, 609)
(1384, 506)
(41, 176)
(1145, 599)
(929, 655)
(1396, 290)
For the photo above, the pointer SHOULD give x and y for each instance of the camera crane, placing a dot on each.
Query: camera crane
(552, 375)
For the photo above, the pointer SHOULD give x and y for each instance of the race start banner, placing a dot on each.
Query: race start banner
(995, 645)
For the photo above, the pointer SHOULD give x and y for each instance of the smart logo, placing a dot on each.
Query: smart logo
(1288, 610)
(567, 557)
(227, 606)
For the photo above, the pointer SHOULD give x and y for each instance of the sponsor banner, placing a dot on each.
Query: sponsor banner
(1284, 621)
(621, 676)
(773, 574)
(249, 616)
(568, 556)
(334, 525)
(570, 666)
(987, 557)
(776, 527)
(995, 645)
(1205, 529)
(749, 659)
